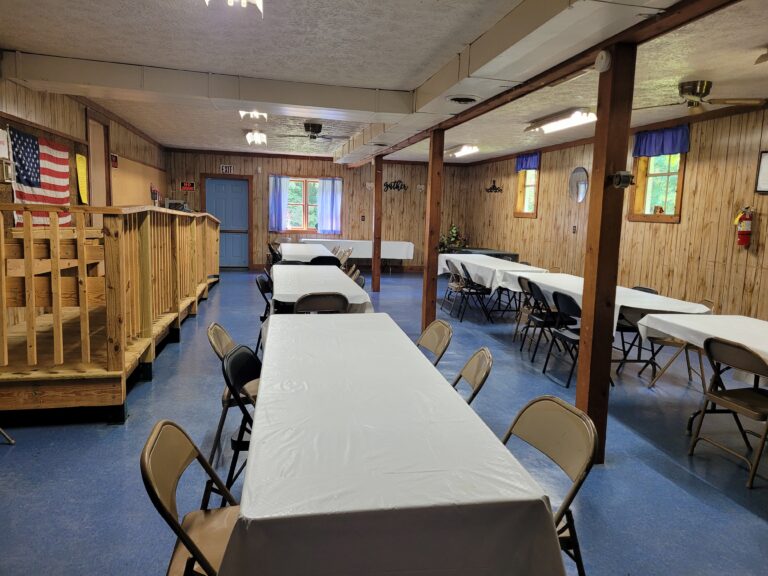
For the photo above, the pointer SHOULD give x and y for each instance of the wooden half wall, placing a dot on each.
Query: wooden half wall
(695, 259)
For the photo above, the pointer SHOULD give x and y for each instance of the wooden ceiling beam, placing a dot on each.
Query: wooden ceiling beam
(680, 14)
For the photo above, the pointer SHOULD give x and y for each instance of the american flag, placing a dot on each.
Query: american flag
(42, 175)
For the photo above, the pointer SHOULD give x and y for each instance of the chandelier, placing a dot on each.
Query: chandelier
(244, 3)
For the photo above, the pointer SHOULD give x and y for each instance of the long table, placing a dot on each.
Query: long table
(486, 270)
(364, 461)
(292, 282)
(363, 249)
(303, 252)
(626, 298)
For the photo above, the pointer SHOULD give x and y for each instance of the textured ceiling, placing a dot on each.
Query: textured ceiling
(197, 124)
(721, 48)
(393, 44)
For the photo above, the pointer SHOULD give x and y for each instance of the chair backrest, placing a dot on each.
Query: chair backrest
(325, 261)
(453, 270)
(476, 371)
(355, 275)
(322, 302)
(240, 366)
(360, 280)
(344, 255)
(709, 304)
(540, 300)
(276, 256)
(645, 289)
(467, 275)
(335, 250)
(436, 338)
(352, 270)
(265, 286)
(167, 454)
(567, 307)
(220, 340)
(564, 434)
(723, 352)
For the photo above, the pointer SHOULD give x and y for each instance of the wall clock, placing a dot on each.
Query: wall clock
(578, 184)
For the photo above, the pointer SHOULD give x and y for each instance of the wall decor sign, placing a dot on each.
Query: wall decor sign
(493, 189)
(113, 160)
(762, 174)
(227, 169)
(396, 185)
(187, 186)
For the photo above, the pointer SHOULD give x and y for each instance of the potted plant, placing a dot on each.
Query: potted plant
(452, 241)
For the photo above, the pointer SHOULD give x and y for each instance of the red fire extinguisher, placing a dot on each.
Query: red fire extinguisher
(743, 223)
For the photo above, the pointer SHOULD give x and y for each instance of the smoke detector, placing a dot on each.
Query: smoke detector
(462, 99)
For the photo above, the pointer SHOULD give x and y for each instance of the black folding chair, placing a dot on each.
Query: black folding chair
(473, 291)
(566, 330)
(326, 261)
(541, 317)
(240, 366)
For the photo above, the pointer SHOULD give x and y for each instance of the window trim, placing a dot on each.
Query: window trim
(518, 211)
(637, 199)
(305, 203)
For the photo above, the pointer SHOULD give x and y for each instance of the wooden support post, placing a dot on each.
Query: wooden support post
(378, 184)
(601, 265)
(3, 299)
(58, 321)
(30, 316)
(115, 292)
(432, 227)
(82, 286)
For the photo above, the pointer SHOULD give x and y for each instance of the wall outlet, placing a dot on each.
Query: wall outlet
(362, 218)
(574, 230)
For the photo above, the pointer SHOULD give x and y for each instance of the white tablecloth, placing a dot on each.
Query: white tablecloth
(625, 297)
(487, 270)
(303, 252)
(749, 332)
(292, 282)
(390, 249)
(365, 462)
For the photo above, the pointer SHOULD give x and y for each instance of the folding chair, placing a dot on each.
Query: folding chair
(321, 303)
(750, 402)
(436, 338)
(565, 330)
(475, 372)
(568, 437)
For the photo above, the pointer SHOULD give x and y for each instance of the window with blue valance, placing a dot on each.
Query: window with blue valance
(528, 161)
(650, 143)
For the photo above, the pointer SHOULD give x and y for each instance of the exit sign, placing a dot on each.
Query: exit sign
(227, 169)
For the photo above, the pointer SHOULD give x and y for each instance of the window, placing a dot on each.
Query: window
(302, 203)
(527, 194)
(658, 188)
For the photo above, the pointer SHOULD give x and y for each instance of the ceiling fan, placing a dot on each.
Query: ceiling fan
(312, 131)
(694, 93)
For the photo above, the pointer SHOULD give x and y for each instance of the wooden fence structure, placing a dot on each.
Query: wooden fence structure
(83, 306)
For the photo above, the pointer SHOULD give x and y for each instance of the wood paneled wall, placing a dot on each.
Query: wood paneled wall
(403, 211)
(695, 259)
(128, 144)
(53, 111)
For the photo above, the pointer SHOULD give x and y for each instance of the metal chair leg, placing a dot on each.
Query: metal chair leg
(757, 456)
(8, 439)
(549, 353)
(665, 367)
(217, 436)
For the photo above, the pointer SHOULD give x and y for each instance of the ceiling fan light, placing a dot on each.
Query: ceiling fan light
(255, 137)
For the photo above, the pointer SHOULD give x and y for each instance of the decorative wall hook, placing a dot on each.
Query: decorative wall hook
(493, 189)
(396, 185)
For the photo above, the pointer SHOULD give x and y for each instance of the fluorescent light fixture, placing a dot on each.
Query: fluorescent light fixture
(256, 137)
(244, 3)
(562, 120)
(462, 150)
(253, 114)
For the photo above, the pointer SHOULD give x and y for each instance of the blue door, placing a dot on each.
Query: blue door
(228, 201)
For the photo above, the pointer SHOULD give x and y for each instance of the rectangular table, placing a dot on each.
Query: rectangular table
(487, 270)
(626, 298)
(363, 249)
(303, 252)
(364, 461)
(292, 282)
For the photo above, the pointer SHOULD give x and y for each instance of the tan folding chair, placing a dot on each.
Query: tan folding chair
(355, 275)
(343, 256)
(335, 250)
(475, 371)
(749, 402)
(568, 437)
(351, 270)
(657, 343)
(321, 303)
(222, 343)
(436, 338)
(202, 535)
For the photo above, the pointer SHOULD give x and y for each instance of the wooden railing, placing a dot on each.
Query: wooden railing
(90, 298)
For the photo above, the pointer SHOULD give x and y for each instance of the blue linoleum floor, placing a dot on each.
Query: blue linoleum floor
(72, 500)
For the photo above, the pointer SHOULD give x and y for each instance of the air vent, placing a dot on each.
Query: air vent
(462, 99)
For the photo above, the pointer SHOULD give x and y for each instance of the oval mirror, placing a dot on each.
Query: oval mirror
(578, 184)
